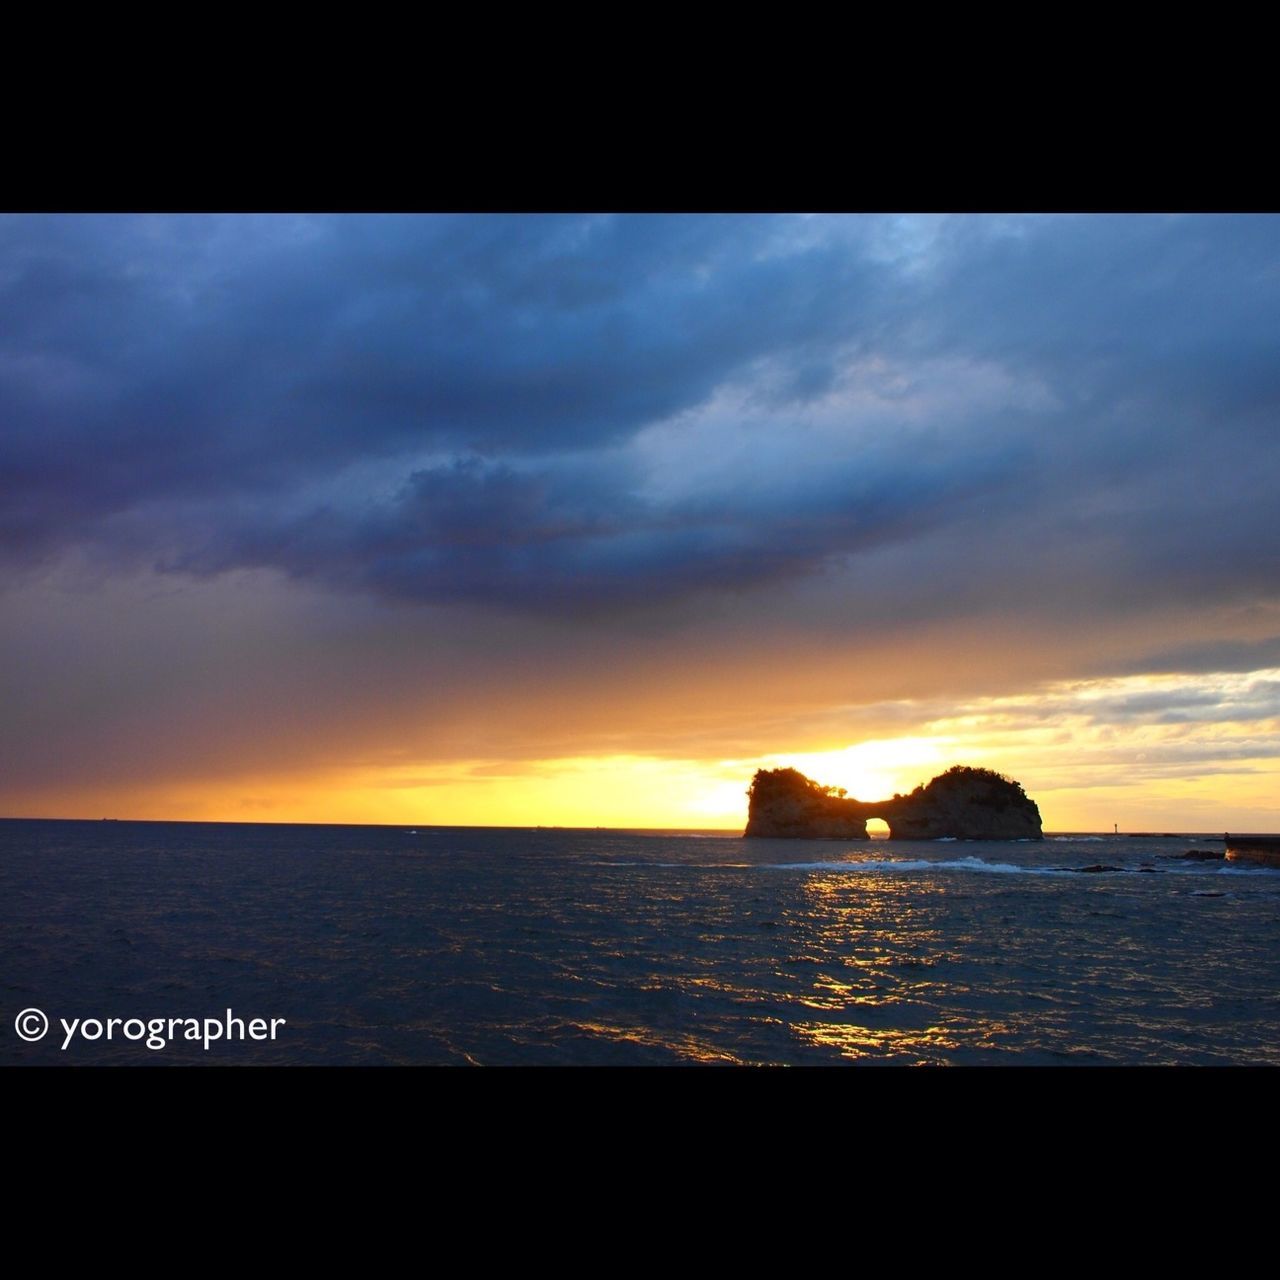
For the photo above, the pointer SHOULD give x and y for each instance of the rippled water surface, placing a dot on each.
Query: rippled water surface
(503, 946)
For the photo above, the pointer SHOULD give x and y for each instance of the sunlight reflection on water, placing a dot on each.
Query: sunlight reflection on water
(473, 946)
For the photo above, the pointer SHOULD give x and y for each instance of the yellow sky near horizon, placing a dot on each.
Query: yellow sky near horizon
(1144, 752)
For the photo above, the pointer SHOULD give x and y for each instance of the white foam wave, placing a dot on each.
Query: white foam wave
(923, 864)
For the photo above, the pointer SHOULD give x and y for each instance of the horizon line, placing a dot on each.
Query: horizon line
(475, 826)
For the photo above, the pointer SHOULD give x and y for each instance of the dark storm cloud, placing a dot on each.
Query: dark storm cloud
(550, 412)
(556, 537)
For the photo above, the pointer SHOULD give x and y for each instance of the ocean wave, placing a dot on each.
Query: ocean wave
(924, 864)
(970, 863)
(1209, 868)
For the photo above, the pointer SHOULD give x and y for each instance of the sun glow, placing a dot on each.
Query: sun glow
(1157, 752)
(877, 768)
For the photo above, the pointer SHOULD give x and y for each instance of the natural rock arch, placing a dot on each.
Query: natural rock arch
(964, 803)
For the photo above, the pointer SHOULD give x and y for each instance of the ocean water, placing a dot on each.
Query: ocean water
(504, 946)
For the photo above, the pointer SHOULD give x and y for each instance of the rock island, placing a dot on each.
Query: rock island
(964, 804)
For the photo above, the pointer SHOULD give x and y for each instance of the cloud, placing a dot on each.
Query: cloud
(609, 413)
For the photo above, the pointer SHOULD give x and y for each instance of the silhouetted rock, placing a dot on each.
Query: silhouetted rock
(786, 803)
(1095, 868)
(1264, 850)
(963, 803)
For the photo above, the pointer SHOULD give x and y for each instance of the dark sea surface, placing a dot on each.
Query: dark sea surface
(509, 946)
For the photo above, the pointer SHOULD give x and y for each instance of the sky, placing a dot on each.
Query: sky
(580, 520)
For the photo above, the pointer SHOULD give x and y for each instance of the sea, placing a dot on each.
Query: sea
(471, 946)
